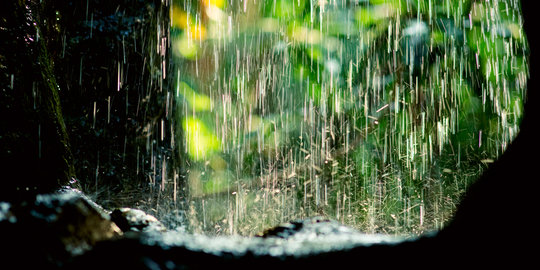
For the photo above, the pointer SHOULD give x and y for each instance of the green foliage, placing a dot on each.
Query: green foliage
(284, 9)
(376, 113)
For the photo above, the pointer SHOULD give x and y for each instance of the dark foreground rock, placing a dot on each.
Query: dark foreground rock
(52, 228)
(129, 219)
(310, 227)
(311, 244)
(67, 230)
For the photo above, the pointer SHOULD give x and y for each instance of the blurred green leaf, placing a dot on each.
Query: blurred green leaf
(185, 48)
(197, 102)
(218, 183)
(200, 140)
(285, 8)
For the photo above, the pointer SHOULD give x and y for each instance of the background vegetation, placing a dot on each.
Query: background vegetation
(376, 113)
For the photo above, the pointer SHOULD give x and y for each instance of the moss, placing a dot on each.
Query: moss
(52, 113)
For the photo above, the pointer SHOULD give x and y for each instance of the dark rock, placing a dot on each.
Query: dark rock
(290, 245)
(52, 228)
(315, 226)
(129, 219)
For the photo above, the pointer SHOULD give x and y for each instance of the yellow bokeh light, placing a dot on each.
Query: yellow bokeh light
(216, 3)
(179, 18)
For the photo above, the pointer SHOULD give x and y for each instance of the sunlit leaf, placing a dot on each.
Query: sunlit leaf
(285, 8)
(197, 102)
(200, 140)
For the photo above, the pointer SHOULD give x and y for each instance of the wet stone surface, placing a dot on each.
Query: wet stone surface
(129, 219)
(68, 230)
(315, 226)
(53, 228)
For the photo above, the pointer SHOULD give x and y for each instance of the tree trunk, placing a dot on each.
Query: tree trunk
(35, 156)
